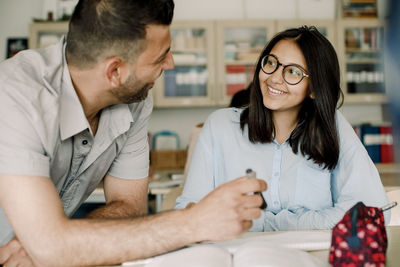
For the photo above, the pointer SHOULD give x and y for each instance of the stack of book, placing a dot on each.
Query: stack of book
(378, 141)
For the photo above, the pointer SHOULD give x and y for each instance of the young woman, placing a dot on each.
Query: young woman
(292, 135)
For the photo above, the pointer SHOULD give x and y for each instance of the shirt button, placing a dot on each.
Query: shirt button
(84, 142)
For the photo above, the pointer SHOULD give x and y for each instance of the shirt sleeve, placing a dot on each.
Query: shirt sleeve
(21, 137)
(354, 179)
(133, 160)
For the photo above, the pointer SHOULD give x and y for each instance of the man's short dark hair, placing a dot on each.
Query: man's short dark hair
(99, 29)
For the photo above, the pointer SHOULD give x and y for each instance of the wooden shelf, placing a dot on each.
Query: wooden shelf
(189, 50)
(241, 62)
(190, 64)
(384, 168)
(365, 98)
(363, 50)
(364, 61)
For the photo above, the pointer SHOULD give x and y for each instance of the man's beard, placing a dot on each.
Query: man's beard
(127, 95)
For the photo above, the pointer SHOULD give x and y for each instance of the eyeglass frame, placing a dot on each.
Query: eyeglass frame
(303, 71)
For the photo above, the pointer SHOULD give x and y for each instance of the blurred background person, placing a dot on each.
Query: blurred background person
(393, 69)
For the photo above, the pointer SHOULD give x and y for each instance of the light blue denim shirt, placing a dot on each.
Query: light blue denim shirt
(44, 131)
(301, 194)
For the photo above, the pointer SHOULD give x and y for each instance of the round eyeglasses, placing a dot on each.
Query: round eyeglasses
(291, 73)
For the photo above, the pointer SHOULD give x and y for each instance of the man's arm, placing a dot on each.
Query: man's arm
(35, 212)
(124, 198)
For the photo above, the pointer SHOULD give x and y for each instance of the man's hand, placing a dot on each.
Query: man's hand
(13, 254)
(228, 210)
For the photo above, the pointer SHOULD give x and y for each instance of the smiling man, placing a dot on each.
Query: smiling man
(75, 114)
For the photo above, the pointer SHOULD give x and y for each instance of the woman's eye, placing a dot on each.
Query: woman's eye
(294, 71)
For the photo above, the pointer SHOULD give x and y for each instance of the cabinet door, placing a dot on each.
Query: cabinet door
(191, 82)
(326, 27)
(361, 53)
(42, 34)
(240, 44)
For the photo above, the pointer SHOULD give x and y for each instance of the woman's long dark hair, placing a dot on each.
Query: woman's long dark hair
(315, 134)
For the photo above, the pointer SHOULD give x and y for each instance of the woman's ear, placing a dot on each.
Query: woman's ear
(312, 96)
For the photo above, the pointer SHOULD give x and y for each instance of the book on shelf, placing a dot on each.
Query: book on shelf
(360, 8)
(387, 153)
(272, 249)
(363, 38)
(370, 137)
(235, 78)
(378, 141)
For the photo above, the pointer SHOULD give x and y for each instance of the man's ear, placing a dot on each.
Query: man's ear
(113, 70)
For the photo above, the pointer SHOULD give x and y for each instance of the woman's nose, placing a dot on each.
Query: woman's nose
(277, 76)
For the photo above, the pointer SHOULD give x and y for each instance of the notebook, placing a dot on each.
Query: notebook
(271, 249)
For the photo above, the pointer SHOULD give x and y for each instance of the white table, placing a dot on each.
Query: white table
(392, 252)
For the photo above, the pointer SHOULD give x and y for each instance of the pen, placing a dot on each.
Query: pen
(251, 174)
(389, 206)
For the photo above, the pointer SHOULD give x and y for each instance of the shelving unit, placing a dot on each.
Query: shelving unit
(239, 45)
(360, 50)
(192, 81)
(213, 59)
(388, 168)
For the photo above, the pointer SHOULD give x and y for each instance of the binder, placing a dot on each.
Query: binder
(371, 138)
(387, 153)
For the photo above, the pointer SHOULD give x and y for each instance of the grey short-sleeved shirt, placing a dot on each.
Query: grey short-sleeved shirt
(44, 131)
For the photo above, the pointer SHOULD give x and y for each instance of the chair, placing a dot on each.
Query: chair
(394, 195)
(169, 199)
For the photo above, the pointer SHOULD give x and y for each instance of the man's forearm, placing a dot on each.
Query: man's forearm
(100, 242)
(119, 210)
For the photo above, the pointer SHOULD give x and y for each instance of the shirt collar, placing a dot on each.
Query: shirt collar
(72, 116)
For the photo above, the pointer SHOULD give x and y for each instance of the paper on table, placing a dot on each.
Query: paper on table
(261, 253)
(197, 256)
(302, 240)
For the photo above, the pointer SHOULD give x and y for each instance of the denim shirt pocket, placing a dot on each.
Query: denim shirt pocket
(313, 187)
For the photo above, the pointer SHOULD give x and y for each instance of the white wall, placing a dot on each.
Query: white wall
(15, 16)
(179, 120)
(254, 9)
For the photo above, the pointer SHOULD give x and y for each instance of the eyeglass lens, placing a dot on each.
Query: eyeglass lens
(292, 74)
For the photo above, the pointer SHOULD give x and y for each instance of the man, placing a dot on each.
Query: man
(76, 113)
